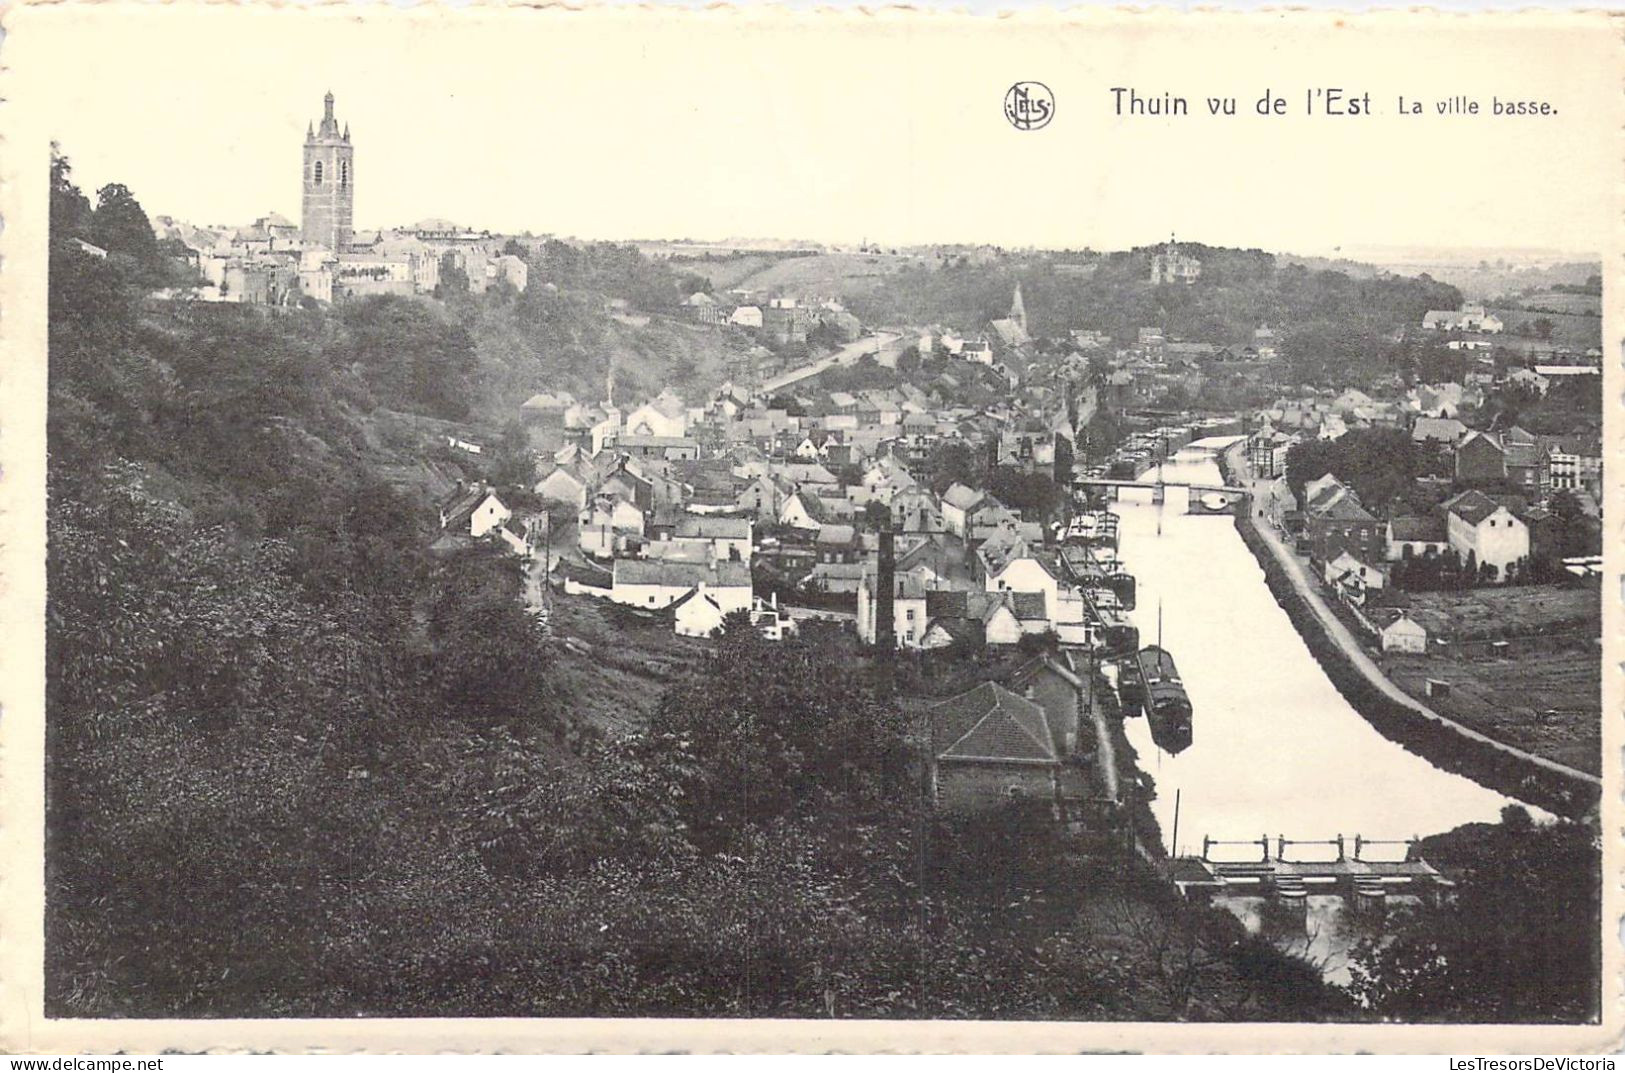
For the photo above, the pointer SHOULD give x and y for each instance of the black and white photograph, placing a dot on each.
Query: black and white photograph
(721, 516)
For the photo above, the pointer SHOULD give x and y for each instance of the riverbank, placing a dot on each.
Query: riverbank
(1441, 742)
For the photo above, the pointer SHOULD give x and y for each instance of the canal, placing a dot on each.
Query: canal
(1276, 749)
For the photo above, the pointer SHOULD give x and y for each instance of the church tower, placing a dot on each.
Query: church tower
(1018, 309)
(329, 183)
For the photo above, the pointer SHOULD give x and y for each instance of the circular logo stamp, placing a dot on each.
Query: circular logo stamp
(1029, 105)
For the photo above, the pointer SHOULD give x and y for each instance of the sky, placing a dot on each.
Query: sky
(627, 123)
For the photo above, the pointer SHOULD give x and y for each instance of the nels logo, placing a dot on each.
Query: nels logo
(1029, 105)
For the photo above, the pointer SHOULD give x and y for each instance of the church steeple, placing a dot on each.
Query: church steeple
(329, 182)
(1018, 309)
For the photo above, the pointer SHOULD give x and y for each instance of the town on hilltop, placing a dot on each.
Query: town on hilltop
(512, 612)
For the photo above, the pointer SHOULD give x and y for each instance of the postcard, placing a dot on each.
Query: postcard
(544, 529)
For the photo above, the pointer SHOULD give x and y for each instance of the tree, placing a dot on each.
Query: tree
(70, 210)
(765, 730)
(513, 460)
(950, 462)
(120, 226)
(1517, 944)
(453, 278)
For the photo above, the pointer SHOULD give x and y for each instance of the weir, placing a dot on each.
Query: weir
(1364, 883)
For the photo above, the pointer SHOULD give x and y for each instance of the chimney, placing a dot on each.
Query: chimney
(885, 595)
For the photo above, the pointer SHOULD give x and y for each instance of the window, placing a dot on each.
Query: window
(344, 173)
(316, 175)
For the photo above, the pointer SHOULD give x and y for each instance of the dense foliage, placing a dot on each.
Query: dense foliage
(1518, 942)
(1333, 324)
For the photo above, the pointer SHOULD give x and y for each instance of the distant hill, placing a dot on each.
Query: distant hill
(1326, 320)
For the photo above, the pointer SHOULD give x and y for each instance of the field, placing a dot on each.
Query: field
(614, 662)
(1571, 330)
(839, 274)
(1523, 665)
(1517, 612)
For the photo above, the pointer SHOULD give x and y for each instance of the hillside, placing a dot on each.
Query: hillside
(1331, 322)
(297, 766)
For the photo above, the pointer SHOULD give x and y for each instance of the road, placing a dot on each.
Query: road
(847, 355)
(1355, 651)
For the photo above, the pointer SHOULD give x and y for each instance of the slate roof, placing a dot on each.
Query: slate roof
(1429, 528)
(713, 527)
(680, 575)
(991, 723)
(1471, 506)
(1445, 429)
(962, 497)
(837, 534)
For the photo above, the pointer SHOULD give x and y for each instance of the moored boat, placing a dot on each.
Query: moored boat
(1167, 707)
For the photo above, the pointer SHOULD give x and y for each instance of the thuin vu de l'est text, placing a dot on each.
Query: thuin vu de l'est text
(1330, 101)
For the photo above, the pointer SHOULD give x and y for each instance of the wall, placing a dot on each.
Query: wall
(971, 787)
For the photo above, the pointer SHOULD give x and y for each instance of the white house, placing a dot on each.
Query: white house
(730, 538)
(1404, 634)
(564, 486)
(1353, 578)
(656, 584)
(663, 416)
(1492, 534)
(908, 611)
(476, 511)
(958, 503)
(697, 615)
(747, 317)
(607, 525)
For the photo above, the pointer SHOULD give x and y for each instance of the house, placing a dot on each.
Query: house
(1006, 563)
(1573, 464)
(1480, 457)
(1530, 380)
(544, 408)
(772, 622)
(563, 485)
(908, 610)
(1404, 634)
(697, 614)
(1437, 431)
(839, 578)
(1352, 579)
(730, 538)
(670, 448)
(1466, 319)
(978, 618)
(989, 745)
(1335, 521)
(1526, 461)
(665, 415)
(609, 526)
(1412, 537)
(473, 511)
(958, 503)
(915, 510)
(760, 496)
(656, 584)
(803, 510)
(746, 317)
(836, 543)
(1493, 536)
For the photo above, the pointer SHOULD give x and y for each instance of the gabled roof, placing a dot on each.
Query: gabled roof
(962, 497)
(713, 527)
(991, 723)
(1471, 506)
(837, 534)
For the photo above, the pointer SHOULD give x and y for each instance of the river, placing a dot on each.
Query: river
(1276, 749)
